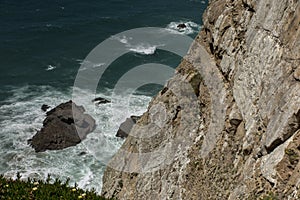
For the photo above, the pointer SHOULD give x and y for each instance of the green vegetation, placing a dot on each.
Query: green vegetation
(40, 190)
(292, 155)
(270, 196)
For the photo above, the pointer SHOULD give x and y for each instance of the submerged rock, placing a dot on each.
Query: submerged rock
(59, 130)
(126, 126)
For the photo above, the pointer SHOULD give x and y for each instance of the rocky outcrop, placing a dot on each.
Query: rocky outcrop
(101, 100)
(126, 126)
(64, 126)
(233, 131)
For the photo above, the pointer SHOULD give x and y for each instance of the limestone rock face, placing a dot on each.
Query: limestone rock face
(65, 125)
(235, 133)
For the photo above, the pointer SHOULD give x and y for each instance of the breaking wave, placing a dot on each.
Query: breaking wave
(21, 116)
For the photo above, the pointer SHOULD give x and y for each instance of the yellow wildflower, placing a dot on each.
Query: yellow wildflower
(80, 197)
(83, 195)
(74, 190)
(35, 183)
(34, 189)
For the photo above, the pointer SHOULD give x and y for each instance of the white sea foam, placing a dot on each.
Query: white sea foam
(87, 64)
(144, 49)
(21, 116)
(124, 40)
(141, 48)
(191, 27)
(201, 1)
(50, 67)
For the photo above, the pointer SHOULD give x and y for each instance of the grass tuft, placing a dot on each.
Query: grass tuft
(36, 190)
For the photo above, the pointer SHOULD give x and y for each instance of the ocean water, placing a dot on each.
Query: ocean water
(42, 46)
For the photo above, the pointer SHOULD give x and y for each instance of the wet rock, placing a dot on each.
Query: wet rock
(61, 129)
(82, 153)
(101, 100)
(45, 107)
(126, 126)
(181, 26)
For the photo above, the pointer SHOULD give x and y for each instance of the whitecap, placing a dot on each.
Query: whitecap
(124, 39)
(86, 64)
(143, 49)
(50, 67)
(98, 65)
(201, 1)
(82, 69)
(191, 27)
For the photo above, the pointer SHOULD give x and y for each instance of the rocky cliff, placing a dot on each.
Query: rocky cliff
(233, 132)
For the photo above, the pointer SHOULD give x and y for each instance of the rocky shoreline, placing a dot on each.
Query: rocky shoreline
(242, 129)
(67, 125)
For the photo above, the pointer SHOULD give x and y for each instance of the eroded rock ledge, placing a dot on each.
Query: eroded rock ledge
(254, 100)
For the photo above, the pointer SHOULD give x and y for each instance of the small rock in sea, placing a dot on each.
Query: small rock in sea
(181, 26)
(101, 100)
(45, 107)
(126, 126)
(82, 153)
(59, 129)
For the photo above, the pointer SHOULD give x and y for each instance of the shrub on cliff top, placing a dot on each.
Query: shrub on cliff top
(32, 189)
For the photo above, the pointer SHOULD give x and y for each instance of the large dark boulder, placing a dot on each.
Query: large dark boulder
(126, 126)
(59, 131)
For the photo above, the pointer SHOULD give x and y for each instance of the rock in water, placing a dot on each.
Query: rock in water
(126, 126)
(59, 130)
(101, 100)
(181, 26)
(45, 107)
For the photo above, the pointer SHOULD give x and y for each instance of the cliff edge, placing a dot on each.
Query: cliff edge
(235, 132)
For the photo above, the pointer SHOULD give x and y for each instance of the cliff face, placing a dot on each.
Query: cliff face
(238, 136)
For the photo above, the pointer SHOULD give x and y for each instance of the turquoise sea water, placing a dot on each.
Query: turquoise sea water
(42, 44)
